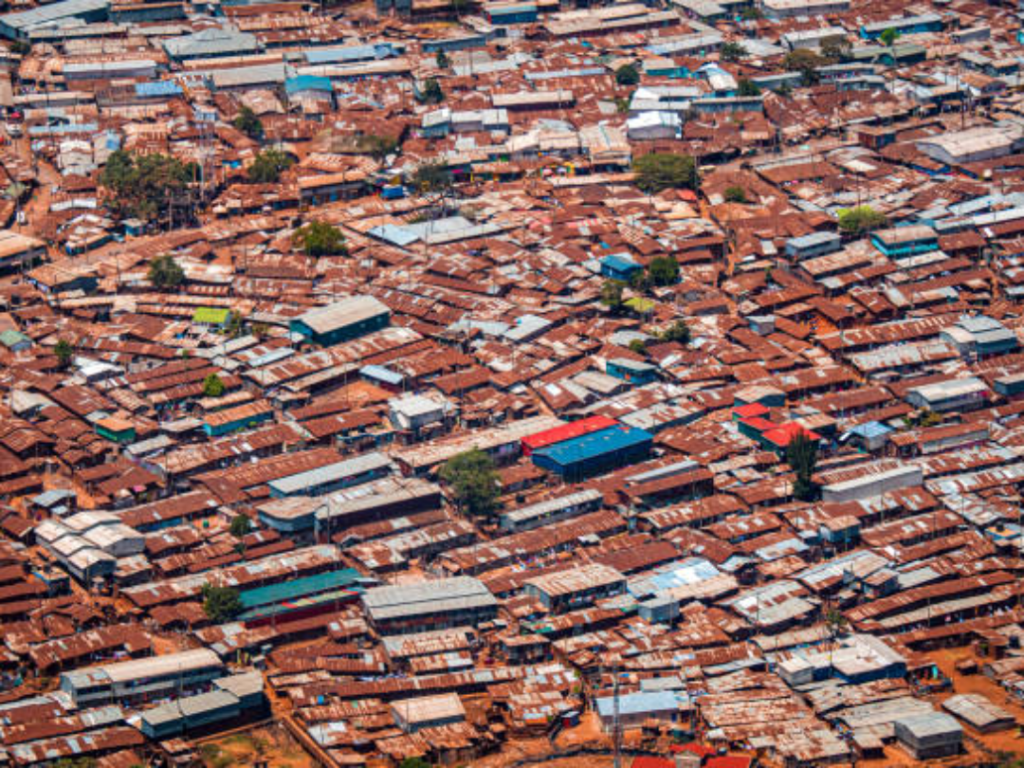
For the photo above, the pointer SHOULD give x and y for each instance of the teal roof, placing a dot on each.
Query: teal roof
(9, 338)
(299, 588)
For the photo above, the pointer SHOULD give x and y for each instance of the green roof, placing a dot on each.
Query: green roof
(9, 338)
(639, 304)
(299, 588)
(211, 315)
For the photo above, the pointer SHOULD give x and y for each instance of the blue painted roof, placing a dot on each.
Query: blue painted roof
(595, 444)
(641, 703)
(381, 373)
(158, 88)
(308, 83)
(620, 262)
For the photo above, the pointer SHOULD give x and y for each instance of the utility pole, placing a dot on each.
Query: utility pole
(616, 725)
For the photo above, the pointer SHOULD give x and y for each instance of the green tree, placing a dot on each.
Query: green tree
(640, 281)
(268, 166)
(806, 62)
(611, 294)
(240, 526)
(260, 330)
(679, 331)
(221, 603)
(627, 74)
(248, 123)
(414, 762)
(20, 47)
(144, 186)
(735, 194)
(802, 457)
(318, 238)
(889, 36)
(235, 325)
(165, 272)
(474, 483)
(431, 93)
(664, 270)
(442, 60)
(747, 87)
(658, 171)
(752, 14)
(639, 346)
(732, 52)
(213, 386)
(836, 47)
(381, 146)
(64, 352)
(432, 177)
(860, 220)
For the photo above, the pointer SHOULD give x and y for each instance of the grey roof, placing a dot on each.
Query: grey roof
(343, 313)
(368, 462)
(211, 42)
(188, 706)
(438, 596)
(45, 14)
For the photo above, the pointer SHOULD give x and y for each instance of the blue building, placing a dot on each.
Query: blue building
(619, 266)
(595, 453)
(519, 13)
(908, 25)
(346, 319)
(633, 371)
(309, 87)
(906, 241)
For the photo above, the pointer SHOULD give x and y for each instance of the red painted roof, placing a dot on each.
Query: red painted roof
(646, 761)
(566, 432)
(750, 409)
(784, 435)
(759, 423)
(728, 761)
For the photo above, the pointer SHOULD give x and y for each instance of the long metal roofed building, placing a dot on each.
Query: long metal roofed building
(343, 320)
(18, 25)
(408, 608)
(142, 679)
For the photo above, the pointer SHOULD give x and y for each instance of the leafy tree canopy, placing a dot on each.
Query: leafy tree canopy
(474, 483)
(221, 604)
(658, 171)
(318, 238)
(144, 185)
(664, 270)
(268, 166)
(165, 272)
(249, 124)
(627, 74)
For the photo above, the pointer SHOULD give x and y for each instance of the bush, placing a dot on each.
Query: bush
(732, 52)
(862, 219)
(432, 93)
(659, 171)
(213, 386)
(735, 195)
(747, 87)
